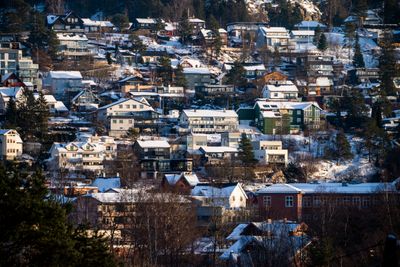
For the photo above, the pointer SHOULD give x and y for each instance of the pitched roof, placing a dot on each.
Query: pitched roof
(153, 144)
(65, 74)
(209, 113)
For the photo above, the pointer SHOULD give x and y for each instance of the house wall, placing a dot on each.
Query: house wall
(11, 145)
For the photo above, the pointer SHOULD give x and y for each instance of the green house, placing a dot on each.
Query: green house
(285, 117)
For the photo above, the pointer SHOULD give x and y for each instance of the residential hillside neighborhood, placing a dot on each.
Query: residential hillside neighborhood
(200, 133)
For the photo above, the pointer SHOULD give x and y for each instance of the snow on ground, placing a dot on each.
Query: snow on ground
(300, 147)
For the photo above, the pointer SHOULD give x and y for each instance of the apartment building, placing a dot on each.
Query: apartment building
(299, 201)
(154, 157)
(281, 90)
(11, 144)
(209, 121)
(270, 152)
(13, 61)
(73, 45)
(274, 37)
(86, 154)
(126, 113)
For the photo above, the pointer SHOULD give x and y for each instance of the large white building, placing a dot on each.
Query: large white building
(209, 121)
(73, 45)
(270, 152)
(86, 154)
(274, 37)
(11, 144)
(284, 90)
(60, 83)
(12, 60)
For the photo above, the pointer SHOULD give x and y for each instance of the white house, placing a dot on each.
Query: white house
(209, 121)
(60, 83)
(11, 144)
(227, 195)
(120, 115)
(73, 45)
(83, 155)
(270, 152)
(284, 90)
(302, 36)
(6, 93)
(273, 37)
(55, 107)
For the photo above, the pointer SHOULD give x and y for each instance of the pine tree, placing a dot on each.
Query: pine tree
(165, 70)
(358, 59)
(360, 7)
(35, 231)
(322, 43)
(343, 148)
(237, 75)
(137, 46)
(391, 12)
(11, 115)
(388, 66)
(185, 29)
(108, 58)
(120, 21)
(317, 35)
(246, 154)
(42, 115)
(180, 79)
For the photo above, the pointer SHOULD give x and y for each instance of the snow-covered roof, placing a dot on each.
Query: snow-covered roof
(209, 113)
(122, 100)
(65, 74)
(51, 19)
(302, 33)
(196, 20)
(289, 87)
(153, 144)
(196, 71)
(146, 20)
(309, 24)
(265, 104)
(71, 37)
(103, 184)
(215, 191)
(339, 188)
(191, 178)
(10, 91)
(219, 149)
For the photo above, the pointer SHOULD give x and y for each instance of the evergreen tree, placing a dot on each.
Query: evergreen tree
(354, 104)
(165, 70)
(11, 115)
(322, 43)
(109, 59)
(246, 154)
(342, 147)
(180, 79)
(360, 8)
(391, 11)
(42, 38)
(388, 66)
(137, 46)
(42, 115)
(185, 30)
(237, 75)
(317, 35)
(120, 21)
(358, 59)
(34, 227)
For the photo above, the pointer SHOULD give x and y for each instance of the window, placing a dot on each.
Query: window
(267, 201)
(121, 106)
(317, 201)
(127, 106)
(307, 202)
(366, 201)
(356, 201)
(288, 201)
